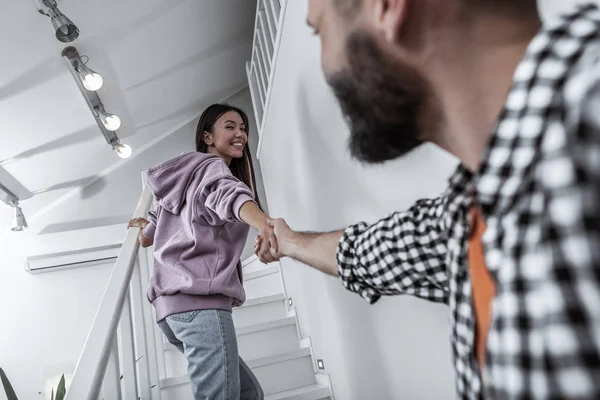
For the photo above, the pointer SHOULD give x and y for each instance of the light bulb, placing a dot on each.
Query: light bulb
(93, 82)
(111, 122)
(124, 150)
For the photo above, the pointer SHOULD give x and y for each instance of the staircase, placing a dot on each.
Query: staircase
(269, 342)
(126, 356)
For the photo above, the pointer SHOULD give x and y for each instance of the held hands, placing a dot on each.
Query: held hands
(265, 245)
(281, 235)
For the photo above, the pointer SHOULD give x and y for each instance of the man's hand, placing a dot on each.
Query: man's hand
(266, 244)
(138, 223)
(283, 235)
(315, 249)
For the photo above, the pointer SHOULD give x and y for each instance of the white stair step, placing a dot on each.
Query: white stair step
(263, 283)
(277, 373)
(256, 341)
(257, 270)
(260, 309)
(284, 372)
(275, 337)
(313, 392)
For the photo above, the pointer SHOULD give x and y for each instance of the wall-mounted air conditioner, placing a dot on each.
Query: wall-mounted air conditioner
(75, 249)
(72, 259)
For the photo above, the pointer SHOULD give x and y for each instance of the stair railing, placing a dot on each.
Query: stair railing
(120, 357)
(261, 67)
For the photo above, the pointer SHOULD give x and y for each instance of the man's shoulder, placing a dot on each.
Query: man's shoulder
(583, 81)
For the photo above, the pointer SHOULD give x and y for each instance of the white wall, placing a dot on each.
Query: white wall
(44, 319)
(398, 348)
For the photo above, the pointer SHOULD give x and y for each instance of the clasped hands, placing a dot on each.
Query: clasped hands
(271, 242)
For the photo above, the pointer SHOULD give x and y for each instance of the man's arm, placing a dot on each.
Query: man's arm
(315, 249)
(404, 253)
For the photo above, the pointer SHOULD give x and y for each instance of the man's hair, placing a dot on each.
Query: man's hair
(513, 7)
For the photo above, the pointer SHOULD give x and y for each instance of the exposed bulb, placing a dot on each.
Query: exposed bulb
(111, 122)
(124, 150)
(92, 81)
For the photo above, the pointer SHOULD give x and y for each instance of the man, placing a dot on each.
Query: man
(526, 314)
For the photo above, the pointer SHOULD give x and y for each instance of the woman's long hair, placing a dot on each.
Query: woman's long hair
(241, 168)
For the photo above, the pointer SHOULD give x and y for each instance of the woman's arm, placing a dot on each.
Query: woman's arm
(252, 215)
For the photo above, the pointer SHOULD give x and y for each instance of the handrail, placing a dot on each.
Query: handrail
(91, 367)
(260, 70)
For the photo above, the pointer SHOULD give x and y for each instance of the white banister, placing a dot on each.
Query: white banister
(149, 326)
(265, 47)
(111, 389)
(139, 330)
(91, 367)
(127, 352)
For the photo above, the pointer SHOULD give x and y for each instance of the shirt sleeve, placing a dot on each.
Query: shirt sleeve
(223, 196)
(150, 229)
(401, 254)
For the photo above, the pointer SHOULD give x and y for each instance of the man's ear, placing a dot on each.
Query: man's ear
(208, 138)
(389, 17)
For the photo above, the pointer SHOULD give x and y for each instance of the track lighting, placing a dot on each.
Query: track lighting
(65, 30)
(19, 221)
(123, 150)
(8, 197)
(88, 82)
(110, 121)
(90, 79)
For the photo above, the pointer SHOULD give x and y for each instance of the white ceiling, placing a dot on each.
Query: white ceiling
(160, 59)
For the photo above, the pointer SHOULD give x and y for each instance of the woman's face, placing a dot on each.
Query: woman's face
(228, 138)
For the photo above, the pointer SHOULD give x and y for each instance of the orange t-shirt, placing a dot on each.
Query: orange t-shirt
(483, 287)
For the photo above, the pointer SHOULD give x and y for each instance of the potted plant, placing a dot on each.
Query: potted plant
(61, 390)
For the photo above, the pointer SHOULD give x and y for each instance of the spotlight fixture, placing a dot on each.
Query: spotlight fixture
(65, 30)
(123, 150)
(107, 122)
(90, 79)
(19, 221)
(111, 122)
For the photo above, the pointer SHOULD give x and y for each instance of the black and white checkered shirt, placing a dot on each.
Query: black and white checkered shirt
(539, 189)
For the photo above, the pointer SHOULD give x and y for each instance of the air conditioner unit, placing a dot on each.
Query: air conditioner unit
(72, 259)
(75, 249)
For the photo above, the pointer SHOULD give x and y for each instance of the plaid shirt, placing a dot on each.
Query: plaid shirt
(539, 189)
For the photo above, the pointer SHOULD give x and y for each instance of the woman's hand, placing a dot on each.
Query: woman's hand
(138, 223)
(283, 236)
(267, 246)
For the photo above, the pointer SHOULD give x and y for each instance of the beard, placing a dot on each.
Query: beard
(382, 99)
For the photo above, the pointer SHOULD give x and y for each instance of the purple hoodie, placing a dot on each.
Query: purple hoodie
(198, 235)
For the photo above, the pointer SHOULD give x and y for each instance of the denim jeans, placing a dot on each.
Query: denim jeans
(208, 341)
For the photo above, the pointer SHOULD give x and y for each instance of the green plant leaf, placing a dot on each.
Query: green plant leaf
(61, 390)
(8, 389)
(52, 396)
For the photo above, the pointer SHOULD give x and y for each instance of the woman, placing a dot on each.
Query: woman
(207, 201)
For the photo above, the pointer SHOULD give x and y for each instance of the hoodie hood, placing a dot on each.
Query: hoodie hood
(171, 180)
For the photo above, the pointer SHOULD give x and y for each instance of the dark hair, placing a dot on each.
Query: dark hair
(349, 8)
(241, 168)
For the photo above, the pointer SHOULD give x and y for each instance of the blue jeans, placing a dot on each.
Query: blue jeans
(208, 341)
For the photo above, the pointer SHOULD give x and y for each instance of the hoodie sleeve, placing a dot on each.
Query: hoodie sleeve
(223, 195)
(150, 229)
